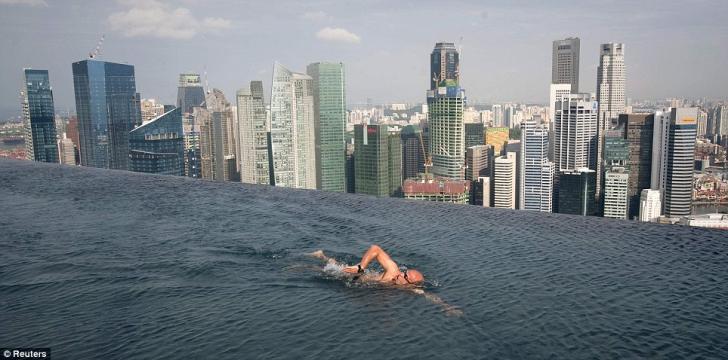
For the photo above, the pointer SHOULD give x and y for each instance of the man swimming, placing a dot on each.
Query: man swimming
(392, 274)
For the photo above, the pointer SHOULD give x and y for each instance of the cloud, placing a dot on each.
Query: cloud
(338, 35)
(24, 2)
(314, 16)
(156, 19)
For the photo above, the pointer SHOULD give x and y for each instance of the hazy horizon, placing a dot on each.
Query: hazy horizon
(673, 49)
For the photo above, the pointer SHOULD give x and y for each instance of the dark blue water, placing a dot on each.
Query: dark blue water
(108, 264)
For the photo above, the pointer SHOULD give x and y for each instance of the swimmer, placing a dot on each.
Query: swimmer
(392, 274)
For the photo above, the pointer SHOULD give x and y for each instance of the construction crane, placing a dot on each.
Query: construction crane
(97, 51)
(428, 157)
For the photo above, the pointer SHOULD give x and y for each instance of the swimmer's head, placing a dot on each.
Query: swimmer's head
(413, 277)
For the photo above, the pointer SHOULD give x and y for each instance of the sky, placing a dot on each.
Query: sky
(673, 48)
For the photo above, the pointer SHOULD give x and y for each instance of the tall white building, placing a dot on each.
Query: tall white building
(611, 95)
(253, 135)
(497, 110)
(575, 132)
(447, 131)
(504, 181)
(556, 93)
(650, 205)
(565, 63)
(67, 153)
(537, 172)
(616, 185)
(292, 136)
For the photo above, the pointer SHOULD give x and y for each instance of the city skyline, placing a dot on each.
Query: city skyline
(380, 67)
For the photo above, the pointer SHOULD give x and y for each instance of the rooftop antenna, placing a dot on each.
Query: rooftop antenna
(97, 51)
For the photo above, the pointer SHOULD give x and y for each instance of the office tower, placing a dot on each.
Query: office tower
(157, 146)
(679, 162)
(253, 137)
(496, 137)
(720, 125)
(350, 168)
(660, 132)
(575, 133)
(497, 110)
(394, 161)
(191, 130)
(375, 167)
(565, 63)
(329, 103)
(477, 159)
(447, 130)
(577, 192)
(536, 171)
(639, 132)
(413, 147)
(292, 133)
(650, 205)
(504, 184)
(107, 106)
(444, 64)
(190, 92)
(150, 109)
(616, 200)
(480, 193)
(67, 150)
(217, 147)
(39, 117)
(514, 146)
(556, 93)
(611, 96)
(702, 123)
(474, 134)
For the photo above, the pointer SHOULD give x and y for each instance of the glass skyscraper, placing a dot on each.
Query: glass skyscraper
(190, 92)
(107, 106)
(378, 161)
(329, 122)
(39, 117)
(444, 64)
(158, 145)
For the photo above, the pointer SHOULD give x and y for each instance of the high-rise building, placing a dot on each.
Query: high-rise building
(650, 205)
(575, 133)
(292, 130)
(447, 130)
(150, 109)
(474, 134)
(611, 95)
(556, 93)
(157, 146)
(616, 184)
(497, 111)
(329, 122)
(720, 125)
(217, 146)
(536, 171)
(497, 137)
(480, 193)
(189, 93)
(253, 137)
(444, 64)
(577, 192)
(702, 122)
(477, 159)
(107, 106)
(413, 158)
(679, 162)
(39, 117)
(376, 166)
(639, 132)
(504, 184)
(67, 150)
(350, 168)
(565, 63)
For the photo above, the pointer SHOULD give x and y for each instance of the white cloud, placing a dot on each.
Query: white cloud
(154, 18)
(24, 2)
(338, 35)
(314, 16)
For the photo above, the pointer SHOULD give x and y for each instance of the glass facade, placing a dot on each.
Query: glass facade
(158, 146)
(371, 160)
(577, 192)
(39, 117)
(444, 64)
(107, 106)
(329, 123)
(474, 134)
(189, 93)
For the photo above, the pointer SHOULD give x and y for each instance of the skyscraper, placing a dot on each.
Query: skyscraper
(253, 137)
(565, 63)
(444, 64)
(575, 133)
(650, 205)
(477, 159)
(536, 172)
(556, 93)
(39, 117)
(447, 130)
(504, 187)
(189, 92)
(616, 184)
(157, 146)
(474, 134)
(107, 106)
(377, 167)
(611, 95)
(217, 147)
(329, 103)
(412, 152)
(679, 163)
(639, 132)
(292, 132)
(576, 192)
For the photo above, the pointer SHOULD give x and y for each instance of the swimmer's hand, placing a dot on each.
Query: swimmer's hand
(354, 269)
(418, 291)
